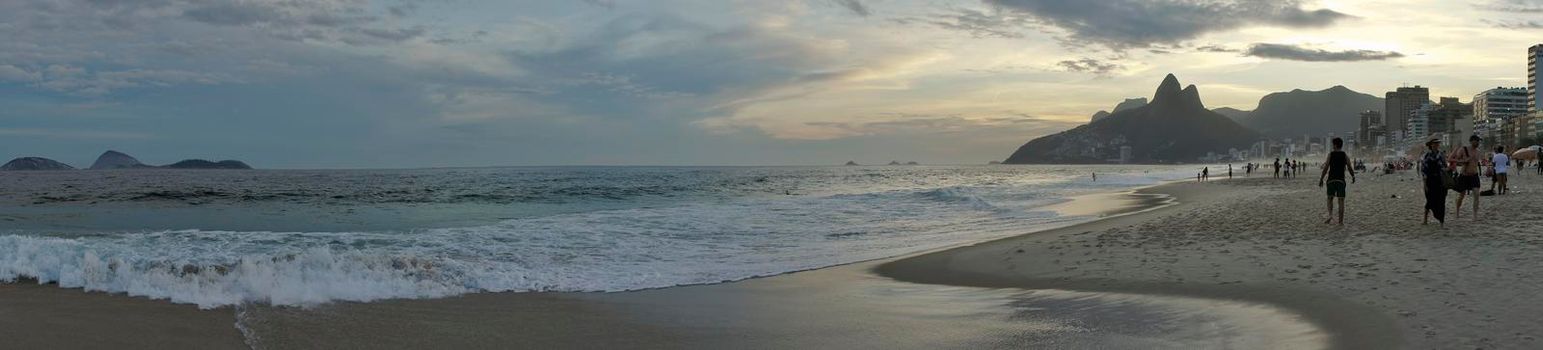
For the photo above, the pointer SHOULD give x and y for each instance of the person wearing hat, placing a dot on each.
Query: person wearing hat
(1433, 167)
(1468, 161)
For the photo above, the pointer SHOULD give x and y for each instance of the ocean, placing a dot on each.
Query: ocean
(306, 237)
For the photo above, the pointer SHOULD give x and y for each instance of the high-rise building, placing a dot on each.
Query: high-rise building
(1533, 53)
(1419, 124)
(1500, 103)
(1369, 120)
(1400, 105)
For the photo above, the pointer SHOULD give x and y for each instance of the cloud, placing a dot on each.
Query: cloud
(856, 6)
(1215, 48)
(1089, 65)
(73, 134)
(606, 4)
(1528, 6)
(1298, 53)
(977, 23)
(914, 123)
(1123, 24)
(16, 74)
(348, 22)
(79, 81)
(1517, 25)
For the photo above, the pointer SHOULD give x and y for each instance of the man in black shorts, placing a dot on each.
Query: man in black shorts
(1334, 169)
(1467, 159)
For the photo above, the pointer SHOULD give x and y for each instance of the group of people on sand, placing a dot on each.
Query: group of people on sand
(1440, 171)
(1290, 168)
(1459, 171)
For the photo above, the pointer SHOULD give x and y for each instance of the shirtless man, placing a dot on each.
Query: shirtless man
(1467, 159)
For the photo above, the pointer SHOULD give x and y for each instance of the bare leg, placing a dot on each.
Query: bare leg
(1342, 211)
(1459, 212)
(1331, 210)
(1475, 204)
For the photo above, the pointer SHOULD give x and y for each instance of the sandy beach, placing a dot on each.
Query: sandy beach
(1465, 285)
(1244, 263)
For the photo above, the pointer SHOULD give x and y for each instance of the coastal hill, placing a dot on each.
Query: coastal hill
(1300, 112)
(1174, 127)
(1232, 113)
(1129, 103)
(116, 160)
(35, 163)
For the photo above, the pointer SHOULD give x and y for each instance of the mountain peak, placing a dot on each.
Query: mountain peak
(115, 160)
(1191, 96)
(1167, 91)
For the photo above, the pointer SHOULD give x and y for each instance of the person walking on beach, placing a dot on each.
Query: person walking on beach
(1205, 174)
(1433, 167)
(1277, 168)
(1467, 159)
(1229, 171)
(1500, 163)
(1334, 169)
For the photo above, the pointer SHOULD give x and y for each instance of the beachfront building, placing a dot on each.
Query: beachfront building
(1493, 131)
(1453, 118)
(1371, 122)
(1400, 104)
(1525, 131)
(1500, 103)
(1533, 53)
(1418, 124)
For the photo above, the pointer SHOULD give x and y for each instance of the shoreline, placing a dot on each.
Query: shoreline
(1350, 326)
(1228, 262)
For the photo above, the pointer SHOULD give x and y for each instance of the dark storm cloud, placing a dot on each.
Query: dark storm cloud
(1298, 53)
(1123, 24)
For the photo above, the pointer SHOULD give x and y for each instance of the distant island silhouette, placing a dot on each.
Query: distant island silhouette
(117, 160)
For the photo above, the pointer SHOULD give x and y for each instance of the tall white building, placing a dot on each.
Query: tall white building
(1500, 103)
(1533, 53)
(1418, 126)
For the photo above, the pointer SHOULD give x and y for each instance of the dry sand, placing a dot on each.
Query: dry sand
(1383, 280)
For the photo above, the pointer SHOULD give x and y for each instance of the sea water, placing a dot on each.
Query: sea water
(303, 237)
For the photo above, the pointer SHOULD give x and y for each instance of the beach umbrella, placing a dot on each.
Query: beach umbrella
(1529, 153)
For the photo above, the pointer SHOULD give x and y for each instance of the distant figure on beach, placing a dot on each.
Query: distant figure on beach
(1277, 168)
(1205, 174)
(1229, 171)
(1334, 169)
(1500, 164)
(1467, 159)
(1433, 167)
(1095, 177)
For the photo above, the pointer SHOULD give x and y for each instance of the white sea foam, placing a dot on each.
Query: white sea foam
(607, 250)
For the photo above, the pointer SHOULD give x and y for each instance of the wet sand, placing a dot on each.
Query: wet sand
(1235, 264)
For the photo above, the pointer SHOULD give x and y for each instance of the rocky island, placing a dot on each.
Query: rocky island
(118, 160)
(35, 163)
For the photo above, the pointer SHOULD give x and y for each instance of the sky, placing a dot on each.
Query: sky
(441, 83)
